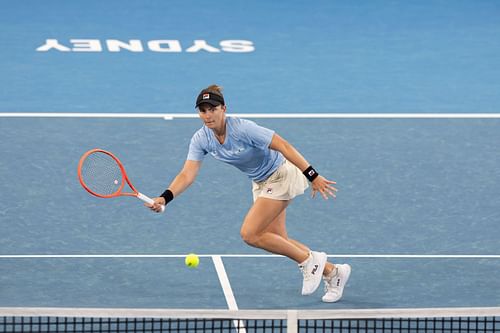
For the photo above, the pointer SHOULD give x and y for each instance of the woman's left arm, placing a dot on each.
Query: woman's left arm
(319, 184)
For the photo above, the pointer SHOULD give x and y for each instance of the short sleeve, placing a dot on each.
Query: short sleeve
(196, 151)
(259, 136)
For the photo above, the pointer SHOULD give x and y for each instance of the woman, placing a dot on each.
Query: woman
(279, 173)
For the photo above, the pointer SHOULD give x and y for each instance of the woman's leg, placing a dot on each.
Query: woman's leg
(254, 230)
(278, 226)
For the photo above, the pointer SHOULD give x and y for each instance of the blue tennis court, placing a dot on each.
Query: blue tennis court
(397, 101)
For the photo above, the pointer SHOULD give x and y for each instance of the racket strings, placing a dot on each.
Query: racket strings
(101, 174)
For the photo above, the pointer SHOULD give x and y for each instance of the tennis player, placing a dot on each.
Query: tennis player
(278, 173)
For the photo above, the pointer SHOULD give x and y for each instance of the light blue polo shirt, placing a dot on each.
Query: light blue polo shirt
(246, 146)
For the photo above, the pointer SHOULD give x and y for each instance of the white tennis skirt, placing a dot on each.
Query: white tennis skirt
(285, 183)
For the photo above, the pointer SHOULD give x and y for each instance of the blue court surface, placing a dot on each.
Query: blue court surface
(397, 101)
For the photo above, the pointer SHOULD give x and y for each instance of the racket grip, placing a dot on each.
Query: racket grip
(148, 200)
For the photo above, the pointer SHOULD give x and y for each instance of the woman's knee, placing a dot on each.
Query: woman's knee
(249, 236)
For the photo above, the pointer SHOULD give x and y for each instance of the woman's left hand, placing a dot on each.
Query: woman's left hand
(324, 187)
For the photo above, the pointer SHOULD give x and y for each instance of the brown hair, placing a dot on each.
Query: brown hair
(213, 88)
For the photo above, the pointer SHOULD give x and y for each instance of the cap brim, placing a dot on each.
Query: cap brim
(208, 101)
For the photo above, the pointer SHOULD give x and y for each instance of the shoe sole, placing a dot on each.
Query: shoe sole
(321, 268)
(341, 289)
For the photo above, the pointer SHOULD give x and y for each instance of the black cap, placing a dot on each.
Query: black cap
(210, 97)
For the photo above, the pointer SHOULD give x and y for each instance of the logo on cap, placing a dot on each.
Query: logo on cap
(206, 96)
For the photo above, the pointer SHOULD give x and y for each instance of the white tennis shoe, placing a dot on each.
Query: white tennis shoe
(312, 269)
(334, 286)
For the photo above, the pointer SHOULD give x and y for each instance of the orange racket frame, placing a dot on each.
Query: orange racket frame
(124, 179)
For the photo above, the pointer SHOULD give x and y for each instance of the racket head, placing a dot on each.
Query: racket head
(102, 174)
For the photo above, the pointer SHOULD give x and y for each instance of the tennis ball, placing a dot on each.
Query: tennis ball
(192, 260)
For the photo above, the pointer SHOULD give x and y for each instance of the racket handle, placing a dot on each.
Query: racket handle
(148, 200)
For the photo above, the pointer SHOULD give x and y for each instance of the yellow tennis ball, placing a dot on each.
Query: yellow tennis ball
(192, 260)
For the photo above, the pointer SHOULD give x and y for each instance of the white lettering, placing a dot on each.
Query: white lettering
(86, 45)
(53, 44)
(134, 45)
(239, 46)
(202, 45)
(165, 46)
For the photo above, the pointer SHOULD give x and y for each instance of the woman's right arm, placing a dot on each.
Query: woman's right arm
(181, 182)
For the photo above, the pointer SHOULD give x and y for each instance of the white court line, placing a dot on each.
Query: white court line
(170, 116)
(224, 282)
(145, 256)
(228, 291)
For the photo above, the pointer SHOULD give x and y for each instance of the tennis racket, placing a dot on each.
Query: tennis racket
(102, 174)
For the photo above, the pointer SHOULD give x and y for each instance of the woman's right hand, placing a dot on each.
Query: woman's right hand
(159, 202)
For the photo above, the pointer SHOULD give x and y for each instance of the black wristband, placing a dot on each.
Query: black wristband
(310, 173)
(168, 196)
